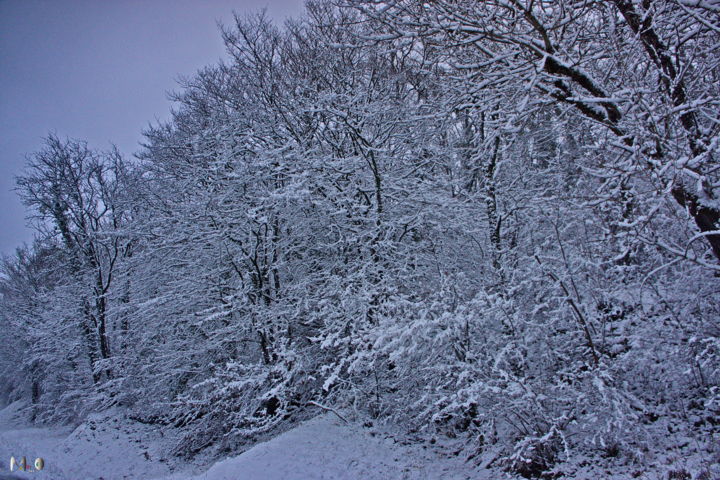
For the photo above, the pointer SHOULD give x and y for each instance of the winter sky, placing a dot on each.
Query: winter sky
(97, 70)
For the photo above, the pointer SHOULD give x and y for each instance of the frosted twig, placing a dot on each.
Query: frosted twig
(329, 409)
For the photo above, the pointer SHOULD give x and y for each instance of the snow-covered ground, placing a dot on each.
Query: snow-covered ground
(103, 447)
(109, 446)
(326, 448)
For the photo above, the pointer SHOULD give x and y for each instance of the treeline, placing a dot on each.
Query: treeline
(493, 219)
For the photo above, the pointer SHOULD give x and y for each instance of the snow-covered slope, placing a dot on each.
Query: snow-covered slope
(327, 448)
(16, 440)
(109, 446)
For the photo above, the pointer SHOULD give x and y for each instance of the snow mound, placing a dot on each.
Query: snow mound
(108, 445)
(326, 448)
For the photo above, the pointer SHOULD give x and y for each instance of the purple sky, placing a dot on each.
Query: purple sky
(97, 70)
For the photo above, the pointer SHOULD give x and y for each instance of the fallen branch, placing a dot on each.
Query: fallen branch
(329, 409)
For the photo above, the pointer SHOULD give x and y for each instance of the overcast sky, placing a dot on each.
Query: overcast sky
(97, 70)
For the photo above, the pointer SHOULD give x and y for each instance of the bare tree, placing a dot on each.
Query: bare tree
(647, 72)
(74, 192)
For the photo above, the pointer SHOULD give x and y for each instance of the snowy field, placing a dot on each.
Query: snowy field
(108, 448)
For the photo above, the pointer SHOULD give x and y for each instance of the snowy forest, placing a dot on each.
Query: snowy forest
(491, 221)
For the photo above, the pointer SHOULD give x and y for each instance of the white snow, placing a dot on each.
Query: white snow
(109, 446)
(327, 448)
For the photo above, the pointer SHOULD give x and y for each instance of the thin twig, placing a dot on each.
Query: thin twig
(329, 409)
